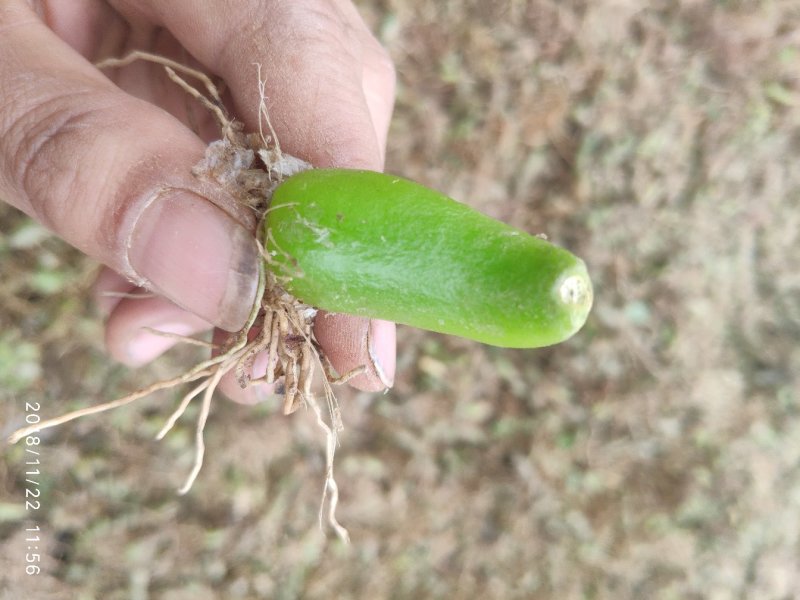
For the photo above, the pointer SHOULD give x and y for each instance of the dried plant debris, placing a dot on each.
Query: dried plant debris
(249, 166)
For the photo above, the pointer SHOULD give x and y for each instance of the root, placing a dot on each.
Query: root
(200, 447)
(93, 410)
(186, 339)
(178, 413)
(214, 104)
(249, 166)
(130, 295)
(330, 486)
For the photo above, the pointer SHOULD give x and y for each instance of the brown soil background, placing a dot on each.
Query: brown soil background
(655, 455)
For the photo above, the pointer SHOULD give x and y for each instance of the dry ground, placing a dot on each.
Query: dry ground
(656, 455)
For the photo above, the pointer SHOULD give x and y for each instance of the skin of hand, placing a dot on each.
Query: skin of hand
(104, 159)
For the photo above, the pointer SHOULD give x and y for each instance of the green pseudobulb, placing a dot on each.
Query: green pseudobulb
(379, 246)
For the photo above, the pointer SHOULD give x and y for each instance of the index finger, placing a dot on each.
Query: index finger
(317, 57)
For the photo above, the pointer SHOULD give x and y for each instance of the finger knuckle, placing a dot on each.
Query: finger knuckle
(309, 25)
(39, 145)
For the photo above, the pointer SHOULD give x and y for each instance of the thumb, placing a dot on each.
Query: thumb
(112, 175)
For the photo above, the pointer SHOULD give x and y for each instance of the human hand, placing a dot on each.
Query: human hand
(105, 160)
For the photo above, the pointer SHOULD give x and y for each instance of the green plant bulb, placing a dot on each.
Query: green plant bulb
(380, 246)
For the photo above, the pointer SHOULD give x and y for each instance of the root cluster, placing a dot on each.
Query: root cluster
(249, 166)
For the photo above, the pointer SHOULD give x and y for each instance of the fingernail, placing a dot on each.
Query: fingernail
(381, 349)
(195, 254)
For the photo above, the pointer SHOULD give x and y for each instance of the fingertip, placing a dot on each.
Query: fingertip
(351, 342)
(132, 329)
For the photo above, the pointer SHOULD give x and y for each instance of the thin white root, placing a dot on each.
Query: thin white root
(272, 352)
(186, 339)
(376, 365)
(112, 63)
(128, 295)
(215, 104)
(178, 412)
(330, 486)
(204, 369)
(333, 407)
(200, 446)
(263, 117)
(92, 410)
(335, 379)
(217, 110)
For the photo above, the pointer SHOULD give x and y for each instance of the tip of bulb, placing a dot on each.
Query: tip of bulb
(575, 290)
